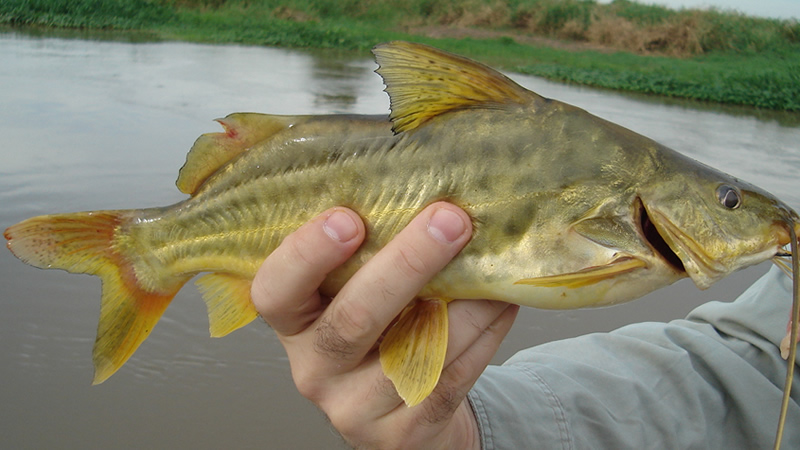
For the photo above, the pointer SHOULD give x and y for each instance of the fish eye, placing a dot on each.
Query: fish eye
(729, 196)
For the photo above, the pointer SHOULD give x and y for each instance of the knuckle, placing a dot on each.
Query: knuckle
(350, 425)
(309, 386)
(410, 263)
(328, 340)
(268, 299)
(300, 252)
(462, 368)
(261, 297)
(384, 388)
(441, 405)
(342, 420)
(344, 332)
(338, 334)
(469, 319)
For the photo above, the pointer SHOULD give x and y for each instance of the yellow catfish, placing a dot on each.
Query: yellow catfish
(569, 211)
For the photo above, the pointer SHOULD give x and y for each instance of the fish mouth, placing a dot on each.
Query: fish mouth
(681, 251)
(657, 242)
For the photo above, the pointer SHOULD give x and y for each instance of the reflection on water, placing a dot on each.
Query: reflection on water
(98, 124)
(340, 81)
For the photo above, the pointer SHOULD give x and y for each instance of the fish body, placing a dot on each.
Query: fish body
(529, 223)
(569, 210)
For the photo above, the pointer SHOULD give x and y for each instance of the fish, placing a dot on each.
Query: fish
(569, 211)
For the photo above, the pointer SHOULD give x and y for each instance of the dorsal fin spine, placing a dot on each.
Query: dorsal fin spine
(424, 82)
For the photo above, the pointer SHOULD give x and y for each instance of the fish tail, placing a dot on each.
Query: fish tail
(84, 243)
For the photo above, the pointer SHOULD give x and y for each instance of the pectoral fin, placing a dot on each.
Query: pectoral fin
(412, 353)
(587, 276)
(610, 232)
(228, 300)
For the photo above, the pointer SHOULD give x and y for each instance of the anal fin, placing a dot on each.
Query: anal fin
(413, 351)
(587, 276)
(228, 300)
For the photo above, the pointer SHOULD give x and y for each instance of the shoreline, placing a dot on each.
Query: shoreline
(765, 80)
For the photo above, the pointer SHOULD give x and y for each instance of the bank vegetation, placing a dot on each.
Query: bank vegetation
(709, 55)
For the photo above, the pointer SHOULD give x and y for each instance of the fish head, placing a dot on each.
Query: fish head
(710, 224)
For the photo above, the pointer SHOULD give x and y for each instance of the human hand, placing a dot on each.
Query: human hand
(332, 343)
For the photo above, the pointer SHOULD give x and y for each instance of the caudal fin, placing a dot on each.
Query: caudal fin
(83, 243)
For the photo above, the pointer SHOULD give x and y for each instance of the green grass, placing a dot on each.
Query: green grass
(726, 57)
(259, 27)
(763, 81)
(103, 14)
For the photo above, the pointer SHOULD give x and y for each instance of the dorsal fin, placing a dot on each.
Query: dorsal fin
(213, 150)
(423, 82)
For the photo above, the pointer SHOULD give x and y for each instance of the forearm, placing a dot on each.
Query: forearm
(714, 380)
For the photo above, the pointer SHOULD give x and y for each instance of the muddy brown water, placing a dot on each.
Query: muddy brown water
(91, 124)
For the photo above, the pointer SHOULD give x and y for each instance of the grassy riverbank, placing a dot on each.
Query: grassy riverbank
(705, 55)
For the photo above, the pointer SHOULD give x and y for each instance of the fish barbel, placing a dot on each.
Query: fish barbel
(569, 211)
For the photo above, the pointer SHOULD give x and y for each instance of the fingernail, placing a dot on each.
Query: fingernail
(340, 226)
(446, 226)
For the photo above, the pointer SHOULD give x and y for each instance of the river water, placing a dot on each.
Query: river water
(93, 124)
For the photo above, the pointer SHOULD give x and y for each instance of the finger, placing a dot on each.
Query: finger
(469, 319)
(284, 290)
(377, 293)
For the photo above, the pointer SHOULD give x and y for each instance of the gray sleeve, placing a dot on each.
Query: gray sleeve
(712, 380)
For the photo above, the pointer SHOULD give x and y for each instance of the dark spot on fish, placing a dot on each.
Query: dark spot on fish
(517, 153)
(319, 188)
(529, 211)
(452, 156)
(484, 183)
(526, 184)
(564, 186)
(512, 228)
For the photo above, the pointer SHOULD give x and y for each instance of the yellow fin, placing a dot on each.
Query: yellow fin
(413, 351)
(127, 316)
(423, 82)
(228, 300)
(585, 277)
(83, 243)
(213, 150)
